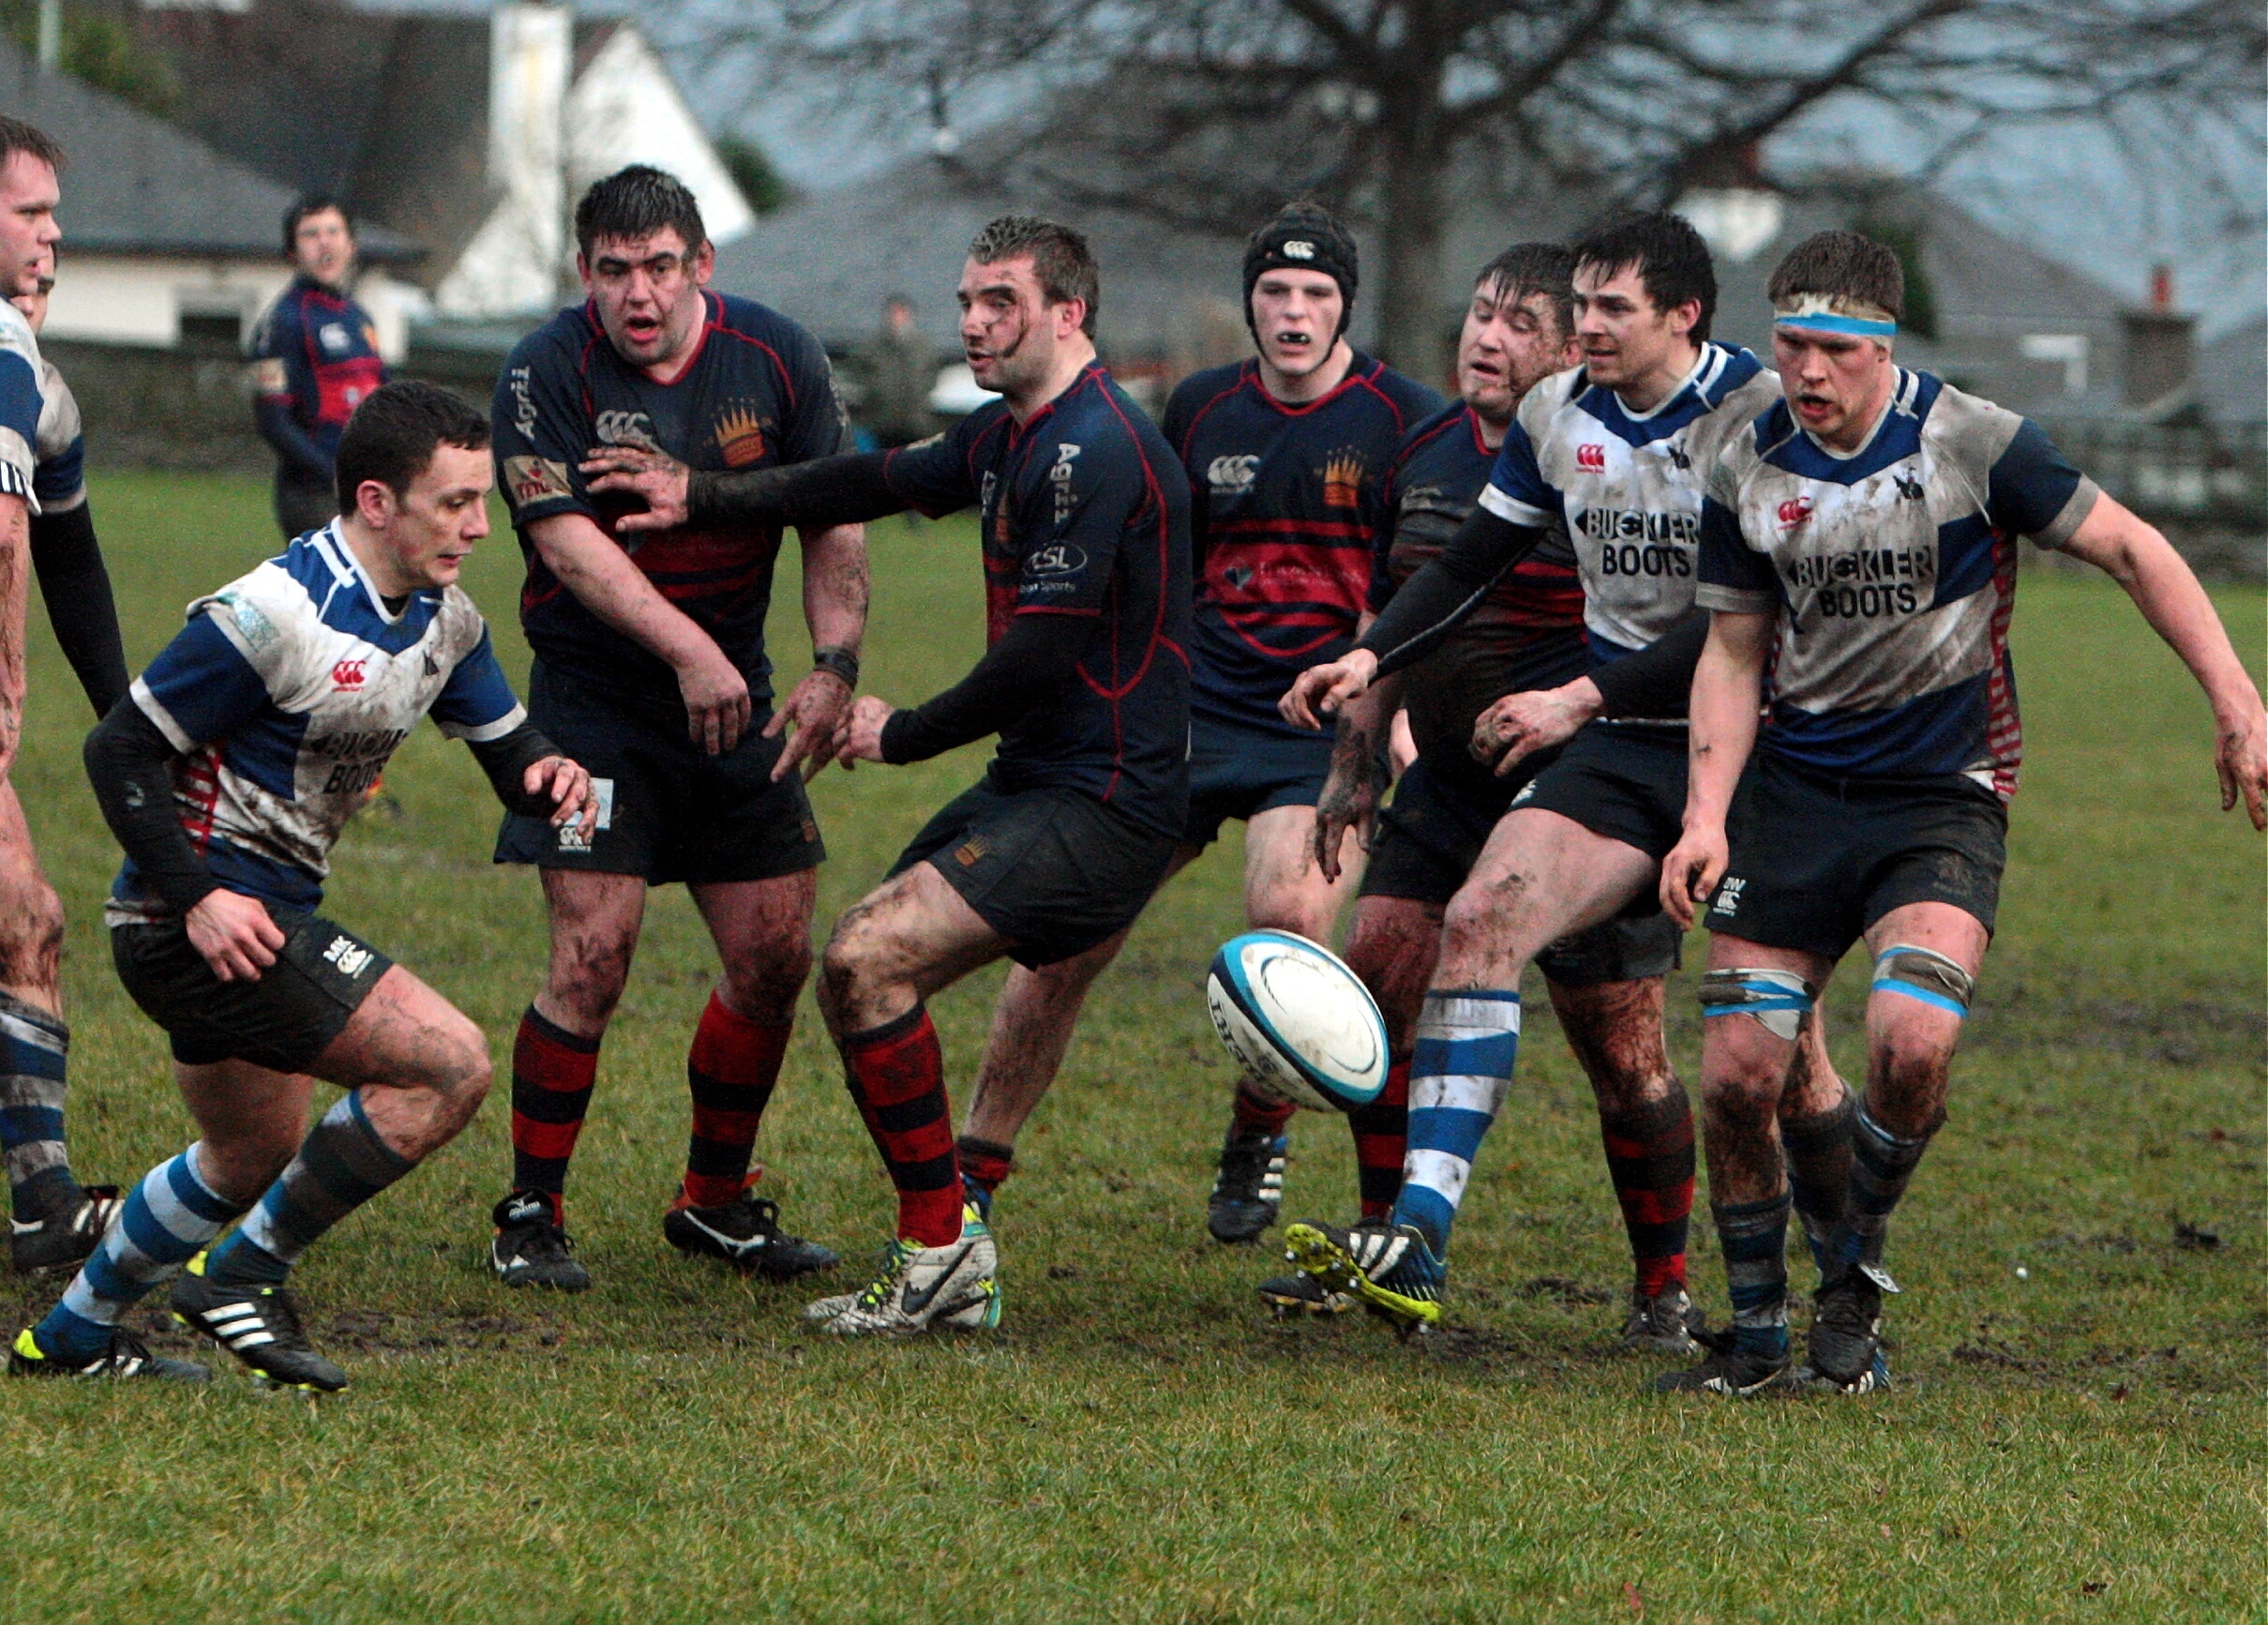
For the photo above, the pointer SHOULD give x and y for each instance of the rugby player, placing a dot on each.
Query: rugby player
(1282, 452)
(314, 358)
(1859, 545)
(55, 1221)
(1085, 523)
(651, 670)
(1525, 639)
(1609, 450)
(227, 775)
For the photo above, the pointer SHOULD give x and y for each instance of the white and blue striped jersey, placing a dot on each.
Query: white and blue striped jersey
(21, 375)
(286, 693)
(1627, 485)
(59, 478)
(1893, 575)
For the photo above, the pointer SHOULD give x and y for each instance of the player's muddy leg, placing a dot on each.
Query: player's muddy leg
(1815, 1114)
(762, 931)
(1646, 1122)
(31, 915)
(1030, 1033)
(909, 937)
(1754, 999)
(56, 1219)
(1393, 948)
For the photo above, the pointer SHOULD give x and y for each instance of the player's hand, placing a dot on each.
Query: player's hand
(656, 478)
(2241, 758)
(1691, 871)
(1350, 801)
(717, 707)
(1520, 725)
(861, 737)
(1320, 690)
(567, 785)
(817, 709)
(235, 934)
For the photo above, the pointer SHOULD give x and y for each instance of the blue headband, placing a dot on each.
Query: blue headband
(1857, 327)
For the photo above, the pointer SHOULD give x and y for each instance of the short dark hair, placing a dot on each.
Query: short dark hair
(637, 202)
(1672, 260)
(1545, 268)
(394, 432)
(314, 204)
(17, 136)
(1061, 258)
(1842, 263)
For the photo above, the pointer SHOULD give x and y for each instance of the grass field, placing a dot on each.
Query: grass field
(1139, 1443)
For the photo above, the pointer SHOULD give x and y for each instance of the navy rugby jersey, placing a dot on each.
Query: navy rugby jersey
(1526, 634)
(315, 351)
(1628, 486)
(286, 693)
(1081, 514)
(1282, 525)
(1893, 575)
(22, 406)
(758, 393)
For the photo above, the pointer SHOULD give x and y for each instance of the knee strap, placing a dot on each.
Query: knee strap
(1925, 974)
(1779, 999)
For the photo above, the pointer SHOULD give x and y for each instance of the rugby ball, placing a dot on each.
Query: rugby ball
(1299, 1022)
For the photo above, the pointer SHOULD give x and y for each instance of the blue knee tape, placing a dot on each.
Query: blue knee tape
(1925, 974)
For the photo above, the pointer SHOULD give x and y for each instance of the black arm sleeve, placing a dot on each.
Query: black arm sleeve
(506, 761)
(1658, 680)
(1034, 658)
(827, 491)
(129, 764)
(1431, 603)
(292, 443)
(77, 589)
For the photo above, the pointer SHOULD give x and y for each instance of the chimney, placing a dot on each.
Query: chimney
(531, 46)
(2161, 346)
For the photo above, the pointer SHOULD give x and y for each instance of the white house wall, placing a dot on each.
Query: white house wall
(625, 109)
(141, 299)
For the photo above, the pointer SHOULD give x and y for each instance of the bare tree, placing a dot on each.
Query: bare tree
(1210, 113)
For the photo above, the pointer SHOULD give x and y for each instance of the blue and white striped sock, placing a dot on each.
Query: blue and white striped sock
(167, 1218)
(1754, 1236)
(32, 1046)
(341, 1165)
(1467, 1041)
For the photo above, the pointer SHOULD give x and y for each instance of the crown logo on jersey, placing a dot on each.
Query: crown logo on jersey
(1342, 480)
(740, 436)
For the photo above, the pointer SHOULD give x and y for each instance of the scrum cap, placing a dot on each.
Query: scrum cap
(1303, 237)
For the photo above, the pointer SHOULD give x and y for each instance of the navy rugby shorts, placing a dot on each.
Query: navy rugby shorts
(1237, 772)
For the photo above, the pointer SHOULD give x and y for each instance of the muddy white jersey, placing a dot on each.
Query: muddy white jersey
(286, 693)
(21, 375)
(1627, 485)
(1892, 573)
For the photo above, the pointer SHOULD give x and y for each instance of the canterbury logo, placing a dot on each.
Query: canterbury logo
(1591, 459)
(347, 674)
(1793, 512)
(1295, 249)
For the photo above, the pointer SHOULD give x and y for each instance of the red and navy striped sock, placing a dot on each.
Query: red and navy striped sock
(896, 1076)
(1257, 1114)
(553, 1071)
(985, 1164)
(1650, 1155)
(1381, 1132)
(731, 1069)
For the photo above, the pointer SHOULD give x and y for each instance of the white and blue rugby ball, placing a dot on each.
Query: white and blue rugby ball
(1299, 1022)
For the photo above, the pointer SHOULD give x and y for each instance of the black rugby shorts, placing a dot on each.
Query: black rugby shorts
(283, 1021)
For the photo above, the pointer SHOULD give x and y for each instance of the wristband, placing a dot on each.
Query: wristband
(839, 662)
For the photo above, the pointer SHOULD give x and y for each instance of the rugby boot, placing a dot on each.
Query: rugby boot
(1386, 1265)
(1727, 1370)
(921, 1288)
(42, 1246)
(1291, 1297)
(746, 1233)
(122, 1356)
(1663, 1324)
(1846, 1324)
(1248, 1191)
(531, 1248)
(259, 1325)
(1875, 1378)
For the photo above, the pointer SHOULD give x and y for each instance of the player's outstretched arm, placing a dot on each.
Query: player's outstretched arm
(829, 491)
(606, 582)
(2162, 585)
(1654, 682)
(836, 590)
(1728, 686)
(1032, 662)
